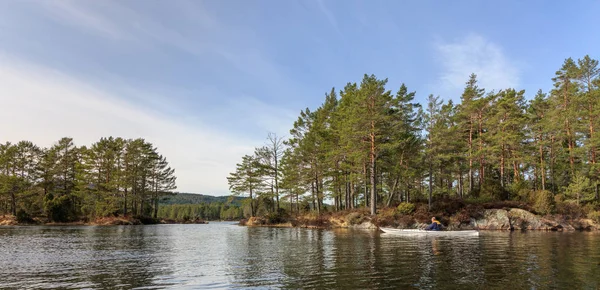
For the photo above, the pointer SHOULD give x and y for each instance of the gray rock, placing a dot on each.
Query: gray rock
(493, 219)
(523, 220)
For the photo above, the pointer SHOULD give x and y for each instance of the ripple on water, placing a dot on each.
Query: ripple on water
(222, 255)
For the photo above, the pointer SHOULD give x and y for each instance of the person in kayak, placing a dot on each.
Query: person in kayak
(434, 226)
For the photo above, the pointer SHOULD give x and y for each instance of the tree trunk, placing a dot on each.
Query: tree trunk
(251, 204)
(552, 164)
(471, 157)
(430, 183)
(481, 165)
(373, 177)
(392, 191)
(312, 191)
(13, 202)
(542, 169)
(352, 195)
(125, 202)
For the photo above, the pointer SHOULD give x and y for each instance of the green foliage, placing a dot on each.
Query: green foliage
(281, 216)
(203, 211)
(595, 216)
(405, 208)
(355, 218)
(590, 207)
(60, 209)
(192, 198)
(23, 216)
(521, 191)
(543, 202)
(113, 176)
(479, 199)
(580, 189)
(570, 209)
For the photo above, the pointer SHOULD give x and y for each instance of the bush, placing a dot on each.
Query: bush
(23, 217)
(595, 216)
(385, 217)
(281, 216)
(543, 202)
(590, 207)
(59, 209)
(405, 208)
(355, 218)
(422, 214)
(479, 200)
(520, 191)
(447, 206)
(570, 209)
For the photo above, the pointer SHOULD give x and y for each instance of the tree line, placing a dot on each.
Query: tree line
(113, 176)
(368, 146)
(204, 211)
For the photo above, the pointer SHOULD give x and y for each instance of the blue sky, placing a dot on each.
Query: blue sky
(205, 81)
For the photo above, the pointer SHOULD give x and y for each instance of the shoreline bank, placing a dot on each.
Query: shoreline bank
(509, 219)
(10, 220)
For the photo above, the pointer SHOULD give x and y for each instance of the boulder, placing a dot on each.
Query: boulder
(255, 221)
(584, 225)
(493, 219)
(365, 225)
(523, 220)
(337, 222)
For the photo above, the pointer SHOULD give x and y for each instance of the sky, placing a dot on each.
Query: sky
(206, 81)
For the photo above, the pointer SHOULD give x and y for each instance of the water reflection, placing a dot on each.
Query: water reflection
(223, 255)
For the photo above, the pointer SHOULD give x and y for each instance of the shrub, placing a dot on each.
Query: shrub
(543, 202)
(595, 216)
(386, 216)
(405, 208)
(405, 221)
(278, 217)
(23, 216)
(520, 191)
(354, 218)
(447, 206)
(479, 200)
(570, 209)
(590, 207)
(59, 209)
(422, 213)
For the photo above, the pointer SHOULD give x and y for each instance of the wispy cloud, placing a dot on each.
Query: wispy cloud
(475, 54)
(43, 105)
(179, 75)
(82, 17)
(330, 17)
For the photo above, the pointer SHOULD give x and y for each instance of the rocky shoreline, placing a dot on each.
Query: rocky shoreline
(510, 219)
(9, 220)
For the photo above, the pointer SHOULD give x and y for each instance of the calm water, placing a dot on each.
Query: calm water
(223, 255)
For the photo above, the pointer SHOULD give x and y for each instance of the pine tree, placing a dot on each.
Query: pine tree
(246, 180)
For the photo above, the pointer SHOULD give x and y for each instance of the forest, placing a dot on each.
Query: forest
(370, 147)
(64, 183)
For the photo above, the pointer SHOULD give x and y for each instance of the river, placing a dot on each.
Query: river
(224, 255)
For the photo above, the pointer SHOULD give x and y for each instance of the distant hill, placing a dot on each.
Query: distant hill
(192, 198)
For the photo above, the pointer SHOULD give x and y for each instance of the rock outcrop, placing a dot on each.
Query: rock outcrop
(523, 220)
(492, 219)
(8, 220)
(519, 219)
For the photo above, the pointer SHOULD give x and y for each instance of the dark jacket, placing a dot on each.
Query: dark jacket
(435, 226)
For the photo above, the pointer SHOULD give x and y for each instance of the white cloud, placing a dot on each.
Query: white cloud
(42, 105)
(475, 54)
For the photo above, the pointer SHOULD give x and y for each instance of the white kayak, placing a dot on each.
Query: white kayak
(417, 232)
